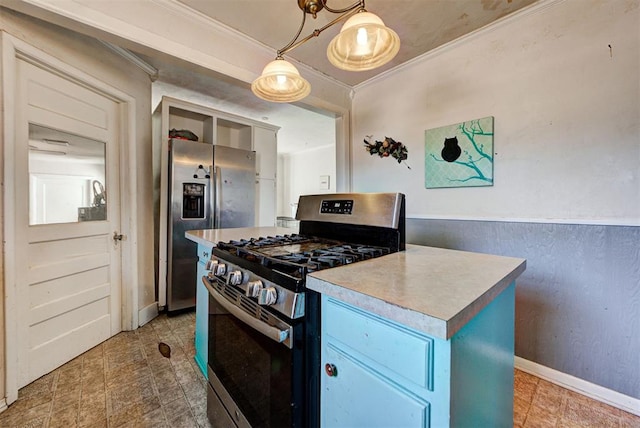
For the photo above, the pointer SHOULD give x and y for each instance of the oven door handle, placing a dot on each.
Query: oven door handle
(272, 333)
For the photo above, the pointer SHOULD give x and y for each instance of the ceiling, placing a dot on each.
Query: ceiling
(44, 141)
(422, 25)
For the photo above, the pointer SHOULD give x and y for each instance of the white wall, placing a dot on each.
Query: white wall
(299, 174)
(566, 108)
(567, 150)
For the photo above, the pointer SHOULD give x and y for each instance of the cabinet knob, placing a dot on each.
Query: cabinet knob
(331, 370)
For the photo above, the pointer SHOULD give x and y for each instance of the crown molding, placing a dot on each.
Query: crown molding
(517, 15)
(134, 59)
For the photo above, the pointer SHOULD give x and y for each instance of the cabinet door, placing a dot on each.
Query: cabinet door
(266, 147)
(357, 396)
(202, 319)
(265, 203)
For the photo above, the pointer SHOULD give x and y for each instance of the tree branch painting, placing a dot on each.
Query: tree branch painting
(460, 155)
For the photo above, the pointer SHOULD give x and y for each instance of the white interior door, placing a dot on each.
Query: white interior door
(68, 264)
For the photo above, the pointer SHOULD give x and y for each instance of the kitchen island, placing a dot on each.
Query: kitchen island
(418, 338)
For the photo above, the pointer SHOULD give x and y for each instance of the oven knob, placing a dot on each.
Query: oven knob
(219, 269)
(254, 288)
(234, 277)
(268, 296)
(211, 264)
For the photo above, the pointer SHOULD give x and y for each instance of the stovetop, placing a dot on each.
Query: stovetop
(287, 259)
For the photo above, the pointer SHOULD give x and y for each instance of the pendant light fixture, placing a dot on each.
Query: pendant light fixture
(281, 82)
(364, 43)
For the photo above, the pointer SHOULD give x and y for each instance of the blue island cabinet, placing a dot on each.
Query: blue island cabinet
(202, 311)
(380, 373)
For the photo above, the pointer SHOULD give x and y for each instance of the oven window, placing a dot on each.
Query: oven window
(255, 370)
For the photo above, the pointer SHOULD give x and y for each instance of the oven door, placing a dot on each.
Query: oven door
(255, 361)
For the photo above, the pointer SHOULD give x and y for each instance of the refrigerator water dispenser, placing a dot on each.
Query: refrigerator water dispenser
(193, 200)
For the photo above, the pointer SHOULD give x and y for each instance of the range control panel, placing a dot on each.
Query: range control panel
(344, 206)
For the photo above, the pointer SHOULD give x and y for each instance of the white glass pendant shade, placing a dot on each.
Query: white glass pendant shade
(364, 43)
(280, 82)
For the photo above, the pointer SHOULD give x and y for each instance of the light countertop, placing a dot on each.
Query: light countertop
(211, 237)
(433, 290)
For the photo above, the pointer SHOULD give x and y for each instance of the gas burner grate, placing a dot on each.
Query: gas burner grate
(296, 255)
(270, 241)
(363, 252)
(332, 256)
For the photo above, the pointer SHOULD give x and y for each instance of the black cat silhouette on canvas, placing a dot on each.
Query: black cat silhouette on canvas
(451, 150)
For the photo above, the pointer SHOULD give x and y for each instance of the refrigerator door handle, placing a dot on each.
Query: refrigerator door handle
(216, 196)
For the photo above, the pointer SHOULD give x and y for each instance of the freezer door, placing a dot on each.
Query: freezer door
(234, 188)
(190, 175)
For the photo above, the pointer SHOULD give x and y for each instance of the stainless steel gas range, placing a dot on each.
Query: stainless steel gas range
(264, 326)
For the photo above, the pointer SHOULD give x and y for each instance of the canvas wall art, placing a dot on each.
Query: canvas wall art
(460, 155)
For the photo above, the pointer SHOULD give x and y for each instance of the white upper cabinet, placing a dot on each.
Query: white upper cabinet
(265, 144)
(233, 134)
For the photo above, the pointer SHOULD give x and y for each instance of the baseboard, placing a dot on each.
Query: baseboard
(3, 405)
(147, 313)
(591, 390)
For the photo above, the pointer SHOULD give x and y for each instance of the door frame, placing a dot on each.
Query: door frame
(12, 50)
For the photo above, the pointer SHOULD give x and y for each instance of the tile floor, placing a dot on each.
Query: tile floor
(126, 382)
(538, 403)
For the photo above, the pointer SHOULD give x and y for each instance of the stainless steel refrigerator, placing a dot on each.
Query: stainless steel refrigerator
(209, 187)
